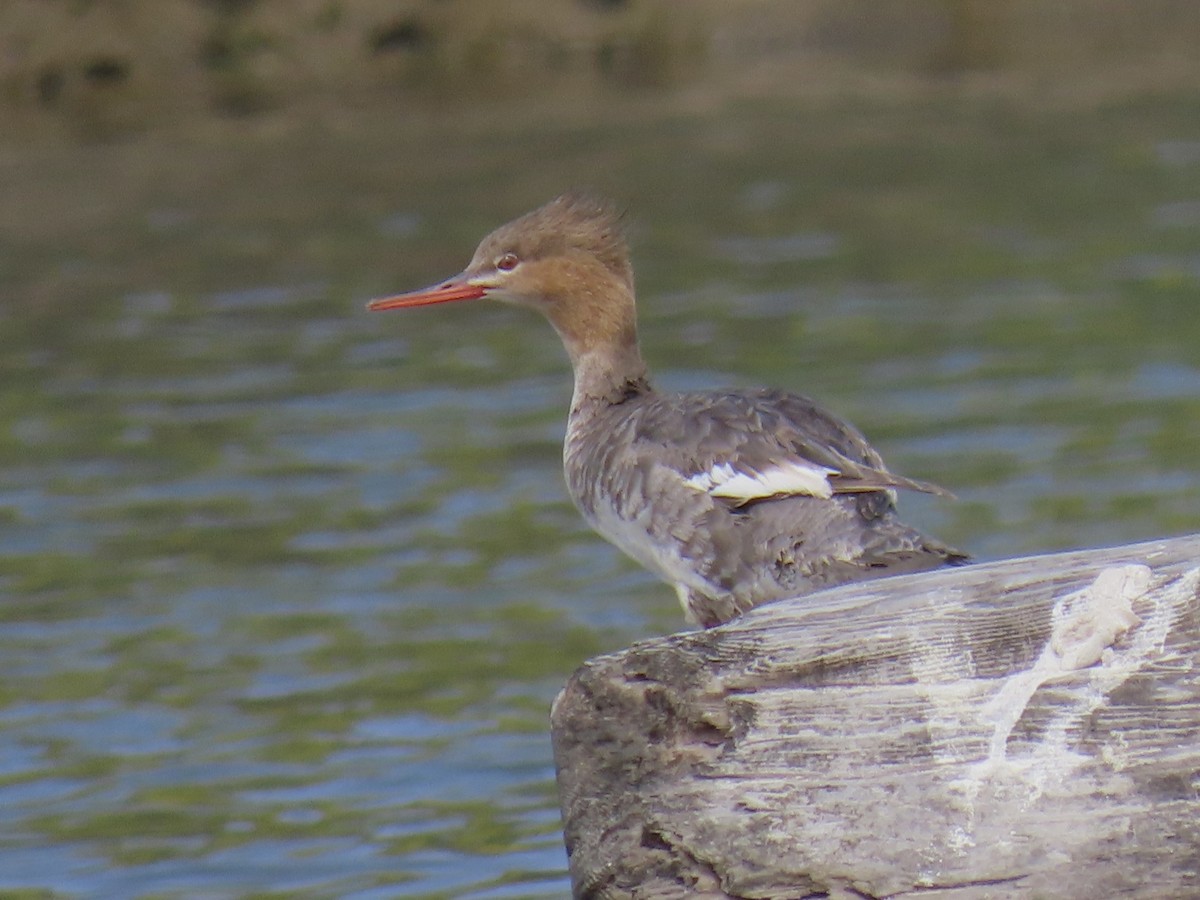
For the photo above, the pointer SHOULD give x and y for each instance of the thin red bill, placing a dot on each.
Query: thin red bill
(448, 292)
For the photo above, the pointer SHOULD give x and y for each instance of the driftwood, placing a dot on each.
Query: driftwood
(1027, 728)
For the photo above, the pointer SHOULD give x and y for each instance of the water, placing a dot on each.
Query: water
(289, 588)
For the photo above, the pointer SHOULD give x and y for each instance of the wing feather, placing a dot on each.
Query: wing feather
(743, 447)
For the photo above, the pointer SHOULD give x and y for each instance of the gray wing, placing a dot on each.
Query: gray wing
(772, 442)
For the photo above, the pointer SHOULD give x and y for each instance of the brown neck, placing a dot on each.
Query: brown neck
(608, 374)
(596, 316)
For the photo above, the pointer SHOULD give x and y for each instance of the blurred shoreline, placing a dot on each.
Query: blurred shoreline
(95, 70)
(195, 144)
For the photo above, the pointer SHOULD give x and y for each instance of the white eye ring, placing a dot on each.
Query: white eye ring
(507, 262)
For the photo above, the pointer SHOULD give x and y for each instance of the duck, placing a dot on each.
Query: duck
(735, 498)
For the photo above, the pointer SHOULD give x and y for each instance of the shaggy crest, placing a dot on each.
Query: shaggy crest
(573, 221)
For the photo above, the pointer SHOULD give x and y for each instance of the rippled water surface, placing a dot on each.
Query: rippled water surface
(288, 588)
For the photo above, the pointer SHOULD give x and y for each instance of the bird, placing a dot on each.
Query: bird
(734, 497)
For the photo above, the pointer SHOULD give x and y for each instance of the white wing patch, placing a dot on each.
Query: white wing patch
(729, 483)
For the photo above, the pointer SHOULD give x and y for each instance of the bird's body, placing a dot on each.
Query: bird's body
(732, 497)
(735, 498)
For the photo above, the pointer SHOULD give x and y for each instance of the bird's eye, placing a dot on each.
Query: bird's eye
(507, 262)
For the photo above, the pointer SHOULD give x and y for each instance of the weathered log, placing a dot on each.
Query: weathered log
(1025, 728)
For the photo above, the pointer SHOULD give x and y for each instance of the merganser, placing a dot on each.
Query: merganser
(735, 498)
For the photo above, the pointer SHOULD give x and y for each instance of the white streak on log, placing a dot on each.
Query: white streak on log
(1088, 622)
(1086, 626)
(1085, 623)
(943, 670)
(1003, 730)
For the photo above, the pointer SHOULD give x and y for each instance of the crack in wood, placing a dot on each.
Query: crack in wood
(956, 886)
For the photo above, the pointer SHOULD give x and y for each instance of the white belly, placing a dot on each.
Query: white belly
(635, 536)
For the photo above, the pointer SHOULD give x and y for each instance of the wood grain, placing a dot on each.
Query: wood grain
(1026, 728)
